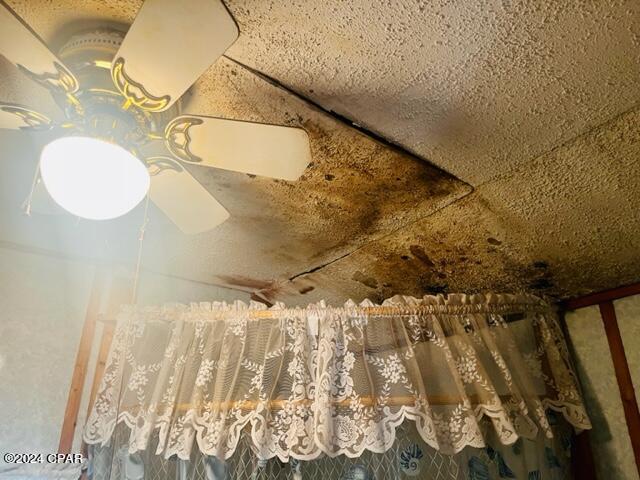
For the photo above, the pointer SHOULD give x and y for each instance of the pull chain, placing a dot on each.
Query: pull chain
(143, 227)
(26, 206)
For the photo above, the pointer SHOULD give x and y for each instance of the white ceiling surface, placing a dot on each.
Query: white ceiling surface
(474, 87)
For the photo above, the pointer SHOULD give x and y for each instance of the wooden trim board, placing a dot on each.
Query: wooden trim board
(81, 365)
(601, 297)
(623, 376)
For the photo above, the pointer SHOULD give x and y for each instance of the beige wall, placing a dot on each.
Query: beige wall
(610, 440)
(42, 306)
(628, 314)
(43, 301)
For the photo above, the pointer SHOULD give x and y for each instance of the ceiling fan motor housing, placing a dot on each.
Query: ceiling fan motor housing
(100, 112)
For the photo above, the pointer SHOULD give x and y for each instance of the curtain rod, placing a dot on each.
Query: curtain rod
(215, 315)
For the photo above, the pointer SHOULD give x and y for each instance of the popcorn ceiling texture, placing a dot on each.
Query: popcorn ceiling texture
(563, 225)
(532, 103)
(475, 87)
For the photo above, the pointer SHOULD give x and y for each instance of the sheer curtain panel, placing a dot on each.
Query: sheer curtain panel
(320, 381)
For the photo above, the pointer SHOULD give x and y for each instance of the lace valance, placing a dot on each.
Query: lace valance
(306, 382)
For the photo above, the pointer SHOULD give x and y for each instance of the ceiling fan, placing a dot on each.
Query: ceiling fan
(124, 132)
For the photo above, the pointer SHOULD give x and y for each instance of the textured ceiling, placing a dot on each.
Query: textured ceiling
(475, 87)
(532, 103)
(563, 225)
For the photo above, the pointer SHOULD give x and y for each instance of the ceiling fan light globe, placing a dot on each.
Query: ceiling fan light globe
(92, 178)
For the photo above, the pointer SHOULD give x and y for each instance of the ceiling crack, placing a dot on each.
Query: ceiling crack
(386, 235)
(570, 141)
(377, 137)
(315, 269)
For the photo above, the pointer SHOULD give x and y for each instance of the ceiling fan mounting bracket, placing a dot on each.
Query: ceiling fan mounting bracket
(99, 108)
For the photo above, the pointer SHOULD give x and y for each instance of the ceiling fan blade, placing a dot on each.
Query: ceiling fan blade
(182, 198)
(17, 117)
(170, 44)
(22, 47)
(256, 148)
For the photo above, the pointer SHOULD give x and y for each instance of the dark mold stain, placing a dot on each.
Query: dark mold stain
(493, 241)
(541, 284)
(541, 265)
(358, 192)
(363, 279)
(378, 297)
(257, 298)
(404, 257)
(435, 289)
(251, 175)
(418, 252)
(307, 289)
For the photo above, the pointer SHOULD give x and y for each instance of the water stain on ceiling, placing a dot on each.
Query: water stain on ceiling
(535, 110)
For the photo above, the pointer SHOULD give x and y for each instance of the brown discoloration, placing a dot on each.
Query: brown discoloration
(306, 289)
(250, 283)
(541, 284)
(266, 290)
(418, 252)
(461, 262)
(436, 289)
(365, 280)
(361, 205)
(258, 298)
(347, 197)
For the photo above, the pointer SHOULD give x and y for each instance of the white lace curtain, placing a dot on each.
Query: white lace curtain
(307, 382)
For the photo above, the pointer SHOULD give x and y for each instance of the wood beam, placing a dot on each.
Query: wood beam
(81, 364)
(582, 462)
(101, 363)
(600, 297)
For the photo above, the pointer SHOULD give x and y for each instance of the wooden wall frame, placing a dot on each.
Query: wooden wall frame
(601, 297)
(109, 292)
(604, 300)
(81, 364)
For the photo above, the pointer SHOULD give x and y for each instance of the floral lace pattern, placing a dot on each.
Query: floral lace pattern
(335, 381)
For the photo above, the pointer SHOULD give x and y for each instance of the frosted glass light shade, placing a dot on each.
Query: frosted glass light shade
(91, 178)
